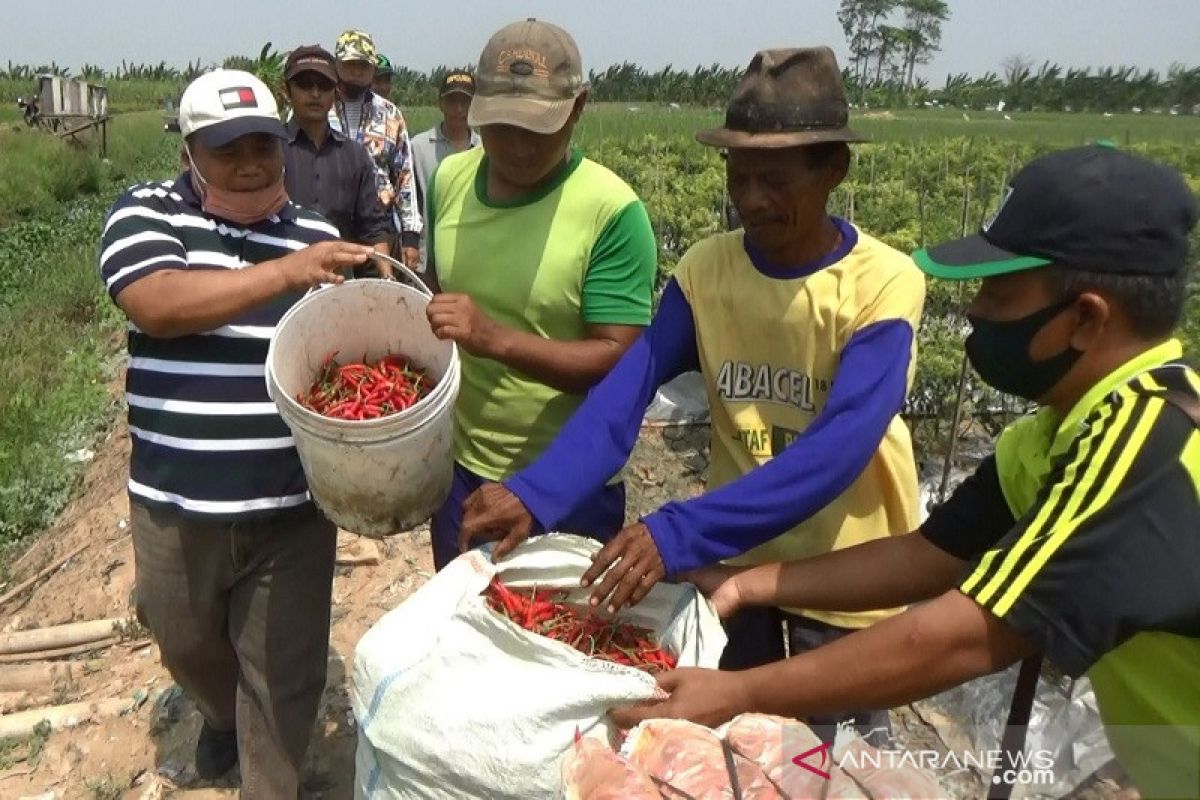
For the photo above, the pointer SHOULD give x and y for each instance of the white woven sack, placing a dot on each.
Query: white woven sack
(454, 701)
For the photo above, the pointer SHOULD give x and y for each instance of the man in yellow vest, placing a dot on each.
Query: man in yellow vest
(1080, 537)
(803, 329)
(546, 261)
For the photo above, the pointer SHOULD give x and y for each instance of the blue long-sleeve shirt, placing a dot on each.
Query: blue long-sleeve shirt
(867, 392)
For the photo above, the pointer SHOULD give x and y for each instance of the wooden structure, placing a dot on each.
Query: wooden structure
(68, 107)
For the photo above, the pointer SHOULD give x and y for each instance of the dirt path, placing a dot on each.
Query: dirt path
(147, 752)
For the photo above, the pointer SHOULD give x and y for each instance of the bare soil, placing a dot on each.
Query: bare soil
(146, 753)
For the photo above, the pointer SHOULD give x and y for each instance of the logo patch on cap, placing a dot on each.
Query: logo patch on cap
(238, 97)
(523, 62)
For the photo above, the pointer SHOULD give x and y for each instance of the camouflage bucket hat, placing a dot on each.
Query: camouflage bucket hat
(355, 46)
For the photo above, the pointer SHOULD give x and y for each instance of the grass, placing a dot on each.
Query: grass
(108, 787)
(61, 334)
(607, 120)
(1034, 128)
(136, 144)
(25, 750)
(124, 96)
(38, 172)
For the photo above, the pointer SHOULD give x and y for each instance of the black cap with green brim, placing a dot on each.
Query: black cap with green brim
(972, 257)
(1093, 208)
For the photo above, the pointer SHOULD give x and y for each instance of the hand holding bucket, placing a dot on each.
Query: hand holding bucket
(373, 477)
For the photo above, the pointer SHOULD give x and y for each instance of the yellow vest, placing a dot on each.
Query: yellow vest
(791, 333)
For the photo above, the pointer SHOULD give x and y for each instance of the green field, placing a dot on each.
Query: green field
(911, 186)
(60, 332)
(607, 120)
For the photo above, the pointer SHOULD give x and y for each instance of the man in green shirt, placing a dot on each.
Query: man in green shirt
(545, 264)
(1080, 537)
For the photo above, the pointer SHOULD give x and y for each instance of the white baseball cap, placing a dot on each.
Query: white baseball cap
(224, 104)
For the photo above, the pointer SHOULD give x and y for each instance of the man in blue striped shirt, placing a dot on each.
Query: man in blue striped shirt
(234, 563)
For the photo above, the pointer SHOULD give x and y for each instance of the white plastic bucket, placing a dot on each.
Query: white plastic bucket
(372, 477)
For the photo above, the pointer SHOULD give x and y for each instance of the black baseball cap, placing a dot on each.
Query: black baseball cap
(458, 80)
(1095, 208)
(311, 58)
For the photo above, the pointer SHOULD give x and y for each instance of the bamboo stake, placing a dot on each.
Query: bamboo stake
(954, 426)
(65, 716)
(21, 588)
(921, 215)
(72, 633)
(32, 676)
(956, 419)
(20, 561)
(58, 652)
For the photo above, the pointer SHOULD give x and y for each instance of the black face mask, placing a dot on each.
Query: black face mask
(999, 352)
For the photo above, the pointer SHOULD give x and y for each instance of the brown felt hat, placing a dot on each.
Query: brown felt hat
(786, 98)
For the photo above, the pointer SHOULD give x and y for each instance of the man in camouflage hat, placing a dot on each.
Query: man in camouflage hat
(377, 123)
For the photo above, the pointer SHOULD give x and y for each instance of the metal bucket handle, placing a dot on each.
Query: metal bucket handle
(415, 279)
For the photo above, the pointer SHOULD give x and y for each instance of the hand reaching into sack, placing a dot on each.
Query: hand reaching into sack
(630, 564)
(492, 512)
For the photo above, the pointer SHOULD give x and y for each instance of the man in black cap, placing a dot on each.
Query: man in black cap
(452, 135)
(325, 170)
(1080, 537)
(382, 82)
(233, 562)
(803, 329)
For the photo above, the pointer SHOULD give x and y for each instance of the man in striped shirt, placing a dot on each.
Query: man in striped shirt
(234, 563)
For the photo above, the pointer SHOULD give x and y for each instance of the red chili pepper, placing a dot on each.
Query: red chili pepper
(365, 391)
(544, 613)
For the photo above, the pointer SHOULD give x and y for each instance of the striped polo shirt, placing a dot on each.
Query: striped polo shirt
(207, 440)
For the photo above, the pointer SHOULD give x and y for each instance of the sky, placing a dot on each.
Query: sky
(421, 34)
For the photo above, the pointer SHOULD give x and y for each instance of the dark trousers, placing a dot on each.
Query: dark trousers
(601, 517)
(241, 615)
(756, 637)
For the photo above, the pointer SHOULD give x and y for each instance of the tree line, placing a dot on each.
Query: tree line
(887, 40)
